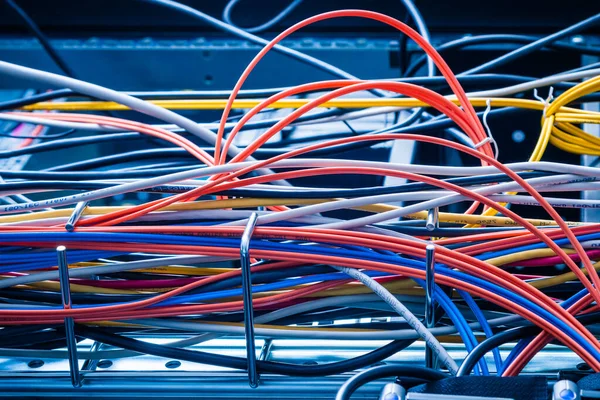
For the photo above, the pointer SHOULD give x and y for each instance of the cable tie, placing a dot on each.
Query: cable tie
(545, 102)
(484, 141)
(490, 137)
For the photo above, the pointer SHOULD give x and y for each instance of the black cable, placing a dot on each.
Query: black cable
(10, 174)
(73, 142)
(430, 82)
(36, 98)
(340, 314)
(265, 25)
(287, 142)
(260, 277)
(223, 26)
(500, 38)
(20, 330)
(383, 371)
(422, 127)
(169, 154)
(491, 343)
(442, 232)
(509, 336)
(528, 48)
(40, 340)
(37, 32)
(78, 298)
(259, 154)
(45, 137)
(78, 184)
(426, 81)
(273, 367)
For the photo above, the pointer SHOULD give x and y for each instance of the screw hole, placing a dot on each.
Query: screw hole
(173, 364)
(35, 363)
(583, 367)
(104, 364)
(208, 80)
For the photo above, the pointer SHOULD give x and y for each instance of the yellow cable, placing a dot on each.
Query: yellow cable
(557, 113)
(524, 255)
(403, 287)
(252, 202)
(219, 104)
(491, 220)
(573, 130)
(76, 288)
(559, 279)
(185, 271)
(165, 270)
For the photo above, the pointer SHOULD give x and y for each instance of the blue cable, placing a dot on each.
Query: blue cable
(518, 349)
(464, 331)
(261, 288)
(485, 327)
(560, 242)
(526, 304)
(524, 342)
(259, 244)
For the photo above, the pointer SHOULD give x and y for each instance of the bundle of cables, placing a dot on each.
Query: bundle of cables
(171, 261)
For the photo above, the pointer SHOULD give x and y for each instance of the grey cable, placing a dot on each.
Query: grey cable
(364, 299)
(109, 269)
(259, 28)
(252, 38)
(445, 198)
(294, 163)
(534, 45)
(417, 18)
(100, 92)
(431, 341)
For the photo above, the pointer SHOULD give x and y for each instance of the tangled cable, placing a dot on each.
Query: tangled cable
(323, 250)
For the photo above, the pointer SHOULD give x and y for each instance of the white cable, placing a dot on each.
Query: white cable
(589, 244)
(293, 163)
(526, 86)
(501, 92)
(100, 92)
(447, 199)
(554, 202)
(420, 195)
(193, 184)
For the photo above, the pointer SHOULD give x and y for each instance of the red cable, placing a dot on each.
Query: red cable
(540, 341)
(460, 261)
(35, 132)
(158, 132)
(435, 56)
(460, 190)
(24, 315)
